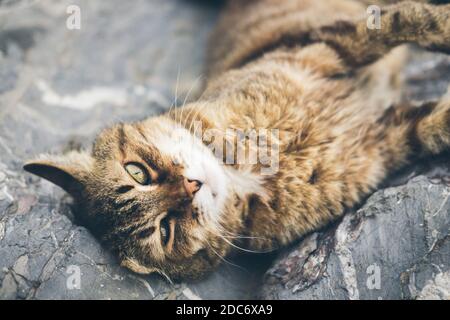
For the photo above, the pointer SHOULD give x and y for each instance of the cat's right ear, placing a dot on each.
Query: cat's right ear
(68, 171)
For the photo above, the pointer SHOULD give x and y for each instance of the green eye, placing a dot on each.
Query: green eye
(138, 173)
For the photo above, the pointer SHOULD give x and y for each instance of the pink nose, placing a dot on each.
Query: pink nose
(192, 186)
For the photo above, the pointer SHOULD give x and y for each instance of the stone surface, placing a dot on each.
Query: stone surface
(397, 246)
(129, 60)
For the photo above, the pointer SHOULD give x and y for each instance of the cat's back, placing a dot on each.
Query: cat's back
(249, 29)
(257, 61)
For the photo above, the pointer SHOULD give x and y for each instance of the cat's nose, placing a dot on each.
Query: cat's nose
(192, 186)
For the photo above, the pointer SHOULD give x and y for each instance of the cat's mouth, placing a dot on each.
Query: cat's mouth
(167, 232)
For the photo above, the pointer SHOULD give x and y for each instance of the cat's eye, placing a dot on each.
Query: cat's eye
(138, 173)
(165, 231)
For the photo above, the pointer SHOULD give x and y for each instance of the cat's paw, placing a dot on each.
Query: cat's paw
(434, 129)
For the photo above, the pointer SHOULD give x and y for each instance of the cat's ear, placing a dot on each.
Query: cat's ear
(68, 171)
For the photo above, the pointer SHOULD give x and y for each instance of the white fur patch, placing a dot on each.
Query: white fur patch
(200, 164)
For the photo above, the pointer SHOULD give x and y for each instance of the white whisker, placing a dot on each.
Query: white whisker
(226, 261)
(187, 96)
(243, 249)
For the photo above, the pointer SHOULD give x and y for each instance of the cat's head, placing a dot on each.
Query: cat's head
(152, 192)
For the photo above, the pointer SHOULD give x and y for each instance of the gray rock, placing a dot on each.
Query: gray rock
(59, 87)
(397, 246)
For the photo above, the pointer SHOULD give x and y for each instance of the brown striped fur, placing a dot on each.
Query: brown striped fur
(308, 68)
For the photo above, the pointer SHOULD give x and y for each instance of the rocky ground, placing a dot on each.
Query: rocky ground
(59, 87)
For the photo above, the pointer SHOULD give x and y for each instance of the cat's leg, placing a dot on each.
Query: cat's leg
(357, 46)
(385, 76)
(407, 22)
(407, 133)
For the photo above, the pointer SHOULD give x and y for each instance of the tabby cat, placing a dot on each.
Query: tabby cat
(324, 89)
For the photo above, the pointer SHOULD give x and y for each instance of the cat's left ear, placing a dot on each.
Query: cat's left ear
(68, 171)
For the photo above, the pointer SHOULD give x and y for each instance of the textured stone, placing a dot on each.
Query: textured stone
(396, 246)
